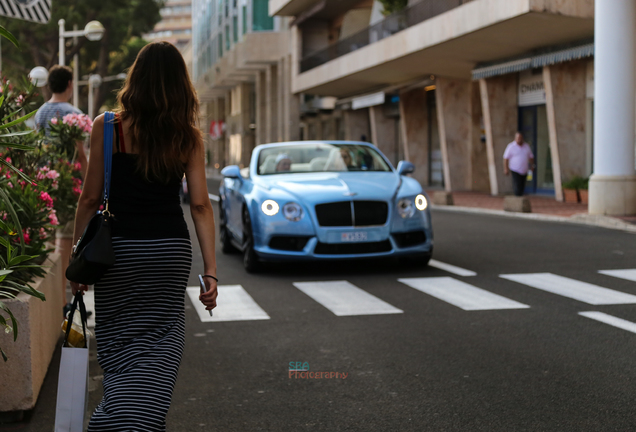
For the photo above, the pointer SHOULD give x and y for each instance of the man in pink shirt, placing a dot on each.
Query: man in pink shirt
(518, 160)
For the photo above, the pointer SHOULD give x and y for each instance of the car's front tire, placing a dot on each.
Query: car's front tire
(251, 262)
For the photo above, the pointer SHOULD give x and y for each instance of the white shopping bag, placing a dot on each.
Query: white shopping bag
(72, 386)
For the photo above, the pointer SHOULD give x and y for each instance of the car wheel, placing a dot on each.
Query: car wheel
(224, 236)
(250, 259)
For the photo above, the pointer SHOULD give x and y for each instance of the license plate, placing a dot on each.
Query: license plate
(354, 236)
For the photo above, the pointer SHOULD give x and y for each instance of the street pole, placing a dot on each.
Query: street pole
(61, 57)
(90, 101)
(75, 71)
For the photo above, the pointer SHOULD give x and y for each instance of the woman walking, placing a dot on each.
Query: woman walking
(139, 302)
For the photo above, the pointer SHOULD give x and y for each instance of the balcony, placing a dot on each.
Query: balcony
(391, 25)
(441, 37)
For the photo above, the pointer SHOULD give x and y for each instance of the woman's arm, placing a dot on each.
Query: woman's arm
(203, 217)
(91, 196)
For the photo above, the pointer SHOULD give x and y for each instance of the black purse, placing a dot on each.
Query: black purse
(93, 254)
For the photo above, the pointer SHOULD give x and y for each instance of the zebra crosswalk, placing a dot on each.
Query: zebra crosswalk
(343, 298)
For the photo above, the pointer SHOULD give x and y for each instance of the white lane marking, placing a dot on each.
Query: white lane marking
(213, 197)
(461, 294)
(628, 274)
(89, 302)
(611, 320)
(345, 299)
(571, 288)
(233, 304)
(451, 268)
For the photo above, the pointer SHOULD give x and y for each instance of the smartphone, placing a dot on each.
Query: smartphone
(204, 289)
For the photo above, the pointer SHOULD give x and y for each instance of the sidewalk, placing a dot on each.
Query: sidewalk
(543, 208)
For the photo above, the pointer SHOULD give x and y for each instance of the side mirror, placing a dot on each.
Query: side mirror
(232, 171)
(405, 167)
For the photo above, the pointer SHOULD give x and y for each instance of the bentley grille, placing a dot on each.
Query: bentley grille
(352, 213)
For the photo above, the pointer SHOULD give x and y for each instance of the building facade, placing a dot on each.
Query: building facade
(447, 83)
(175, 25)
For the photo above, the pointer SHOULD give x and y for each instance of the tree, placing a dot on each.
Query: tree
(392, 6)
(124, 22)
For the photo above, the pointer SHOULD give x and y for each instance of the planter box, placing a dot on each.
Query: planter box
(39, 330)
(570, 196)
(583, 195)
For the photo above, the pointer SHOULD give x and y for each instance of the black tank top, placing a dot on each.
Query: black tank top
(143, 209)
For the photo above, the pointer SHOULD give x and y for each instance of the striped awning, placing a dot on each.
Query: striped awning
(536, 61)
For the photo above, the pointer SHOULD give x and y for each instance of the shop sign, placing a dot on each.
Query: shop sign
(368, 100)
(216, 129)
(531, 89)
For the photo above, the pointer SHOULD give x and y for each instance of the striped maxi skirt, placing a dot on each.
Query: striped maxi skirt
(140, 332)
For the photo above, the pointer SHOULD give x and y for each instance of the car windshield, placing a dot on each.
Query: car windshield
(322, 157)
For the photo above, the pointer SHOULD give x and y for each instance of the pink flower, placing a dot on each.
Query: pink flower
(77, 191)
(48, 201)
(53, 218)
(52, 175)
(40, 176)
(54, 120)
(55, 185)
(77, 182)
(9, 160)
(43, 234)
(77, 166)
(10, 185)
(27, 237)
(19, 100)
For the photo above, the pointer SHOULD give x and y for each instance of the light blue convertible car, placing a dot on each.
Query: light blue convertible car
(321, 200)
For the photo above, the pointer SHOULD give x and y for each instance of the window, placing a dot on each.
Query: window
(235, 30)
(227, 37)
(262, 21)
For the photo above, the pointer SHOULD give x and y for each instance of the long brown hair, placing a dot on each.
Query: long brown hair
(160, 101)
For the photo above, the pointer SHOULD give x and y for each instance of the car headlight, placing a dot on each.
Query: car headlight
(292, 211)
(406, 208)
(269, 207)
(421, 202)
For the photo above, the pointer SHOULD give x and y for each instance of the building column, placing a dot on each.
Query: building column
(454, 117)
(613, 184)
(552, 131)
(271, 108)
(490, 147)
(261, 108)
(414, 129)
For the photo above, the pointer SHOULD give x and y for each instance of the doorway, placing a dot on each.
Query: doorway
(533, 124)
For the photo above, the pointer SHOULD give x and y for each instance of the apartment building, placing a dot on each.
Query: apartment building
(442, 83)
(241, 66)
(175, 25)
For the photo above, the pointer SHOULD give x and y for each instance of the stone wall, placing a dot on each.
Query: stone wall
(414, 118)
(39, 333)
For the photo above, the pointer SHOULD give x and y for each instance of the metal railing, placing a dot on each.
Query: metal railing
(389, 26)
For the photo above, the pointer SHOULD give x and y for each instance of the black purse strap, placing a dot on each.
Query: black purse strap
(77, 301)
(109, 126)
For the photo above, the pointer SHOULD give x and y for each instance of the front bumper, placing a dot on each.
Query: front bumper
(310, 248)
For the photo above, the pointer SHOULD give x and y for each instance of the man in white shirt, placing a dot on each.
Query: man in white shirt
(518, 160)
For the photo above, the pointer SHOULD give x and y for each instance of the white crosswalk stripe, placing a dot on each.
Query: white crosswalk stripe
(345, 299)
(461, 294)
(628, 274)
(451, 268)
(572, 288)
(611, 320)
(233, 304)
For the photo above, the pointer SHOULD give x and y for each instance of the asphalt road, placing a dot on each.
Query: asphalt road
(433, 367)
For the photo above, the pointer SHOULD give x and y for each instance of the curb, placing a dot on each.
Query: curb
(578, 219)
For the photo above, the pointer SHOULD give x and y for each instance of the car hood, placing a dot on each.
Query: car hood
(327, 187)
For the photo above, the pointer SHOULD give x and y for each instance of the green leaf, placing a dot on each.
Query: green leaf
(11, 115)
(15, 170)
(12, 134)
(4, 356)
(27, 289)
(14, 216)
(4, 242)
(7, 34)
(14, 323)
(18, 121)
(17, 146)
(20, 259)
(5, 272)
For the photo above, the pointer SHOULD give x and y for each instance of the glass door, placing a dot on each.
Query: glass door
(533, 124)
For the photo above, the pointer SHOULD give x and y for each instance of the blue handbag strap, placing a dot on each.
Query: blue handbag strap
(109, 126)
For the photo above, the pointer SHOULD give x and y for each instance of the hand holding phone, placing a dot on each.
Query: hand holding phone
(204, 289)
